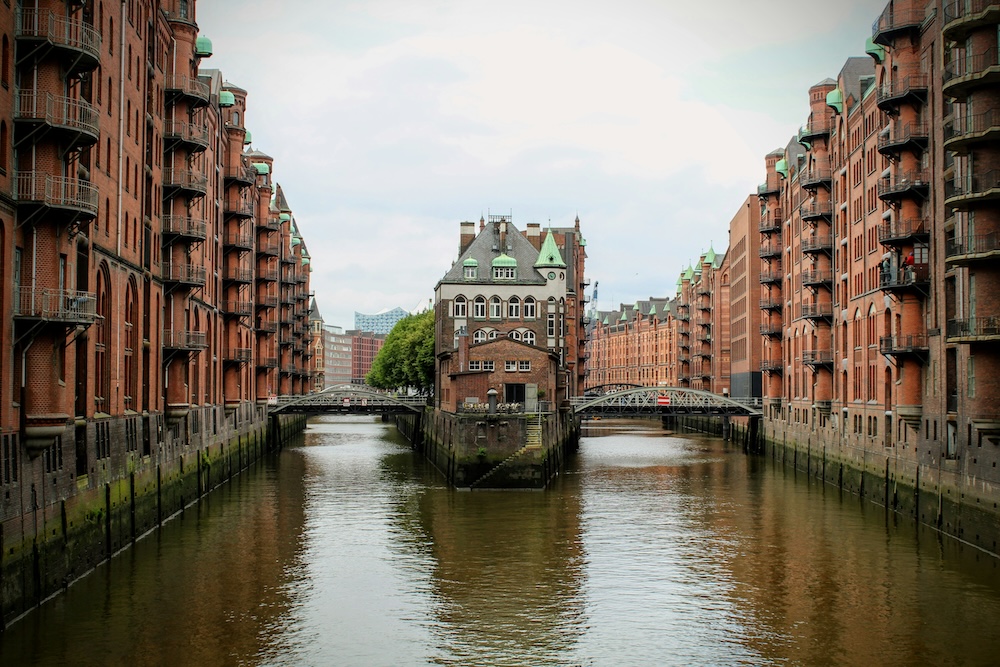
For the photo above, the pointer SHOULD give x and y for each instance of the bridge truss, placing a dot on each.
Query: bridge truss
(656, 401)
(348, 399)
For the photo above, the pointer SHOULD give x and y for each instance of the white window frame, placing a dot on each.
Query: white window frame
(513, 308)
(514, 335)
(471, 272)
(479, 336)
(489, 366)
(530, 308)
(479, 308)
(510, 366)
(528, 337)
(496, 308)
(461, 306)
(524, 366)
(475, 365)
(505, 273)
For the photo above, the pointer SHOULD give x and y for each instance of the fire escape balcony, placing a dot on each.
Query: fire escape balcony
(903, 232)
(771, 304)
(70, 197)
(816, 210)
(237, 308)
(962, 133)
(180, 339)
(704, 338)
(76, 44)
(181, 134)
(904, 185)
(195, 92)
(967, 251)
(683, 359)
(68, 307)
(815, 176)
(269, 223)
(773, 366)
(895, 22)
(771, 186)
(237, 207)
(241, 241)
(241, 175)
(911, 137)
(818, 128)
(267, 327)
(905, 90)
(908, 345)
(770, 250)
(76, 122)
(974, 329)
(771, 221)
(965, 74)
(269, 249)
(817, 358)
(817, 244)
(267, 276)
(817, 279)
(964, 16)
(178, 227)
(238, 355)
(683, 317)
(237, 275)
(267, 301)
(184, 182)
(973, 189)
(184, 274)
(817, 311)
(267, 362)
(771, 330)
(771, 277)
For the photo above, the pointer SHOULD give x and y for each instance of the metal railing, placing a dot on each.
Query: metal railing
(55, 305)
(972, 186)
(817, 357)
(903, 182)
(902, 87)
(900, 230)
(184, 340)
(73, 33)
(985, 327)
(188, 132)
(978, 244)
(970, 65)
(188, 86)
(57, 192)
(185, 179)
(907, 343)
(57, 110)
(183, 226)
(184, 273)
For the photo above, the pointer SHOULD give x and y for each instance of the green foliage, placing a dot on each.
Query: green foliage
(407, 356)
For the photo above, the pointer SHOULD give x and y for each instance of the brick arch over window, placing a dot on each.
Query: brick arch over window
(102, 343)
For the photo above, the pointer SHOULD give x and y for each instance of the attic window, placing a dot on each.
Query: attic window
(504, 272)
(471, 272)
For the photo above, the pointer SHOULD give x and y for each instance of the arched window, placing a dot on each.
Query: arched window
(102, 362)
(461, 306)
(479, 336)
(514, 335)
(495, 308)
(492, 334)
(5, 62)
(479, 308)
(4, 143)
(529, 308)
(529, 337)
(131, 345)
(514, 308)
(236, 118)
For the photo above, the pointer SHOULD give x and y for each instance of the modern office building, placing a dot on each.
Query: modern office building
(381, 322)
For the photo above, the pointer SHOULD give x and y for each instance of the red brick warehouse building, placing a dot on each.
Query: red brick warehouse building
(155, 284)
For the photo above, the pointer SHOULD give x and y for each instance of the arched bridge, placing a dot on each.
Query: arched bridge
(657, 401)
(348, 399)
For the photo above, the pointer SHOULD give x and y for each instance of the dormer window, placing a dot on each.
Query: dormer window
(504, 272)
(470, 269)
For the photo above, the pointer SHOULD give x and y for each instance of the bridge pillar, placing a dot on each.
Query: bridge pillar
(753, 435)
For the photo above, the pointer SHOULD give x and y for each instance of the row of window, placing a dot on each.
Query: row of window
(479, 305)
(483, 335)
(499, 272)
(518, 366)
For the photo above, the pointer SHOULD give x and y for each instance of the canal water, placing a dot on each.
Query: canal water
(651, 549)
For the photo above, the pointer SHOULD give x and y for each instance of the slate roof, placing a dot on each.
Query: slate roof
(486, 247)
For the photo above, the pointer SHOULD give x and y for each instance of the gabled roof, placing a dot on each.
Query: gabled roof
(486, 248)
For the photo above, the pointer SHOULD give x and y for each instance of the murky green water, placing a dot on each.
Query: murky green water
(651, 549)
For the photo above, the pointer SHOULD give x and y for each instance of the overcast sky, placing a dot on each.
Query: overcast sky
(390, 121)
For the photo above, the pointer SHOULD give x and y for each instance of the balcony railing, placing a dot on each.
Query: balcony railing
(771, 304)
(771, 366)
(178, 225)
(817, 357)
(771, 221)
(817, 243)
(241, 240)
(816, 311)
(770, 330)
(904, 184)
(983, 186)
(240, 174)
(269, 223)
(238, 274)
(197, 91)
(267, 326)
(770, 250)
(902, 231)
(908, 344)
(239, 208)
(53, 305)
(767, 277)
(179, 339)
(818, 127)
(184, 273)
(238, 355)
(186, 180)
(970, 71)
(911, 88)
(974, 248)
(57, 111)
(960, 16)
(895, 21)
(194, 136)
(67, 194)
(270, 249)
(905, 278)
(83, 41)
(237, 307)
(816, 175)
(974, 328)
(267, 362)
(912, 136)
(771, 186)
(816, 210)
(267, 276)
(963, 131)
(814, 278)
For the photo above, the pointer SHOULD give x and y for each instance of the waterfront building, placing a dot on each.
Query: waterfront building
(338, 348)
(381, 322)
(364, 347)
(140, 248)
(746, 317)
(317, 347)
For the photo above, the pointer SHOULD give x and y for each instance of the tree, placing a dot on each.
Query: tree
(407, 356)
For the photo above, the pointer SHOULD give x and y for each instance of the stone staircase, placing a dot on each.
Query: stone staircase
(533, 442)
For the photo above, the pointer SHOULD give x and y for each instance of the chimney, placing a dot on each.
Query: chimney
(534, 234)
(467, 236)
(463, 349)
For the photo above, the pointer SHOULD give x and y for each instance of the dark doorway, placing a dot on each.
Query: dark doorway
(513, 393)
